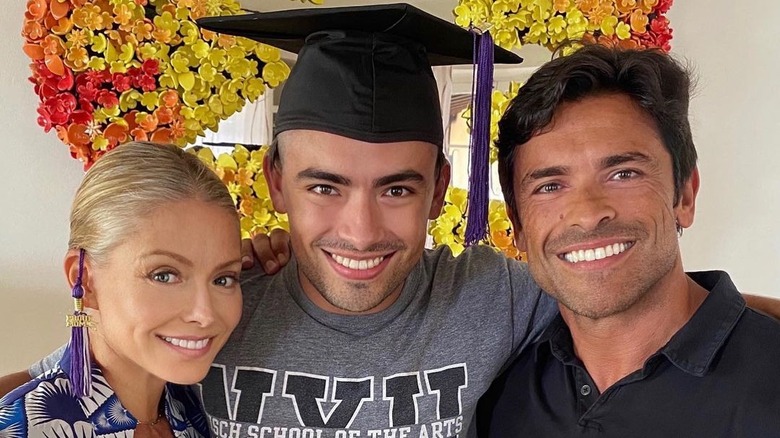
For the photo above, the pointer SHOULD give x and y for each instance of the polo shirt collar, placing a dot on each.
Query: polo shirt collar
(693, 348)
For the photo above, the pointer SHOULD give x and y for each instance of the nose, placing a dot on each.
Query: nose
(589, 208)
(361, 221)
(200, 308)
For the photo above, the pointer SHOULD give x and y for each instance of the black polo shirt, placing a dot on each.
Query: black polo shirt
(719, 376)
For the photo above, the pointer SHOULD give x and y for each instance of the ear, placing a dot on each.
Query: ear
(440, 191)
(71, 264)
(517, 230)
(686, 205)
(273, 177)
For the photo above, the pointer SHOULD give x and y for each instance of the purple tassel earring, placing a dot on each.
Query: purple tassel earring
(80, 363)
(479, 178)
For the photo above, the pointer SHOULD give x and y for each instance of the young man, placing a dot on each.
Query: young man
(599, 166)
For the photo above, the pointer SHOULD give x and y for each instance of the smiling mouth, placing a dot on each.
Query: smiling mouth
(591, 254)
(357, 265)
(189, 344)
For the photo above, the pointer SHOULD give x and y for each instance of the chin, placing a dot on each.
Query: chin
(189, 375)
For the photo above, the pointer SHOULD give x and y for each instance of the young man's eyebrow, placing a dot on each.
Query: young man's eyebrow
(404, 176)
(323, 175)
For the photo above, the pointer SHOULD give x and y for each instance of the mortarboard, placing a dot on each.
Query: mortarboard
(364, 72)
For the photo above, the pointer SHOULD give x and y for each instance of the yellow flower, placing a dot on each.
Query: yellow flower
(150, 100)
(608, 25)
(275, 73)
(96, 63)
(254, 89)
(166, 27)
(240, 155)
(267, 53)
(623, 31)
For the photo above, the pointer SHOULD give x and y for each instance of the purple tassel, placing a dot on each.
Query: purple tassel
(80, 362)
(479, 177)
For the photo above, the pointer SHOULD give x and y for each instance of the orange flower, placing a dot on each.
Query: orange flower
(60, 8)
(36, 9)
(77, 58)
(170, 98)
(61, 27)
(586, 5)
(139, 134)
(149, 122)
(162, 135)
(561, 5)
(32, 30)
(33, 51)
(625, 7)
(115, 133)
(54, 64)
(639, 21)
(226, 41)
(52, 45)
(143, 29)
(164, 115)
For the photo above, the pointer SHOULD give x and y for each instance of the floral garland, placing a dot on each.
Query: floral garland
(242, 173)
(624, 23)
(110, 71)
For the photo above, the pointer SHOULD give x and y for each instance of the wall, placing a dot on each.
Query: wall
(37, 184)
(734, 118)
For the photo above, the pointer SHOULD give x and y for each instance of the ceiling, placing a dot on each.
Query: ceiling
(533, 55)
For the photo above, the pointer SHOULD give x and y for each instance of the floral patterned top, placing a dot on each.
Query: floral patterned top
(46, 407)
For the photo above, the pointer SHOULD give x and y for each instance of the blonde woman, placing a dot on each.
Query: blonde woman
(153, 263)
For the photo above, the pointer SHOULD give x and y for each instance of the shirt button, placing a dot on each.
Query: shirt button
(585, 390)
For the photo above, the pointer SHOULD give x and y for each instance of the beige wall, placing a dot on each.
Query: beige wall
(734, 120)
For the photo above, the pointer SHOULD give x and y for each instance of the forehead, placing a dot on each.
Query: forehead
(307, 148)
(591, 129)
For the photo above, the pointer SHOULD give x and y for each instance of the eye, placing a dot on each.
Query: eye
(167, 277)
(398, 191)
(625, 174)
(324, 190)
(548, 188)
(226, 281)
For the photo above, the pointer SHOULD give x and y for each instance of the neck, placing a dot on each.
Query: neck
(138, 390)
(615, 346)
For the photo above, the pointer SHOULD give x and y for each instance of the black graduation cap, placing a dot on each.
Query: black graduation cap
(363, 72)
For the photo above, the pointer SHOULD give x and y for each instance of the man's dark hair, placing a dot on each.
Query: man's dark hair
(654, 80)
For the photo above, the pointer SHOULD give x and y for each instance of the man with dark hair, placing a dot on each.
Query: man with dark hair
(598, 165)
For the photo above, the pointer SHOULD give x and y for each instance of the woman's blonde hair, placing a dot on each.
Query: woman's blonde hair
(130, 182)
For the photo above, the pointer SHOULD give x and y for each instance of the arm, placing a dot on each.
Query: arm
(770, 306)
(12, 381)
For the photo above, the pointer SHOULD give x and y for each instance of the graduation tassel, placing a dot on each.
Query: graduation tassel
(80, 363)
(479, 177)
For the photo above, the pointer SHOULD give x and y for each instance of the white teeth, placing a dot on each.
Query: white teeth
(188, 344)
(359, 265)
(590, 255)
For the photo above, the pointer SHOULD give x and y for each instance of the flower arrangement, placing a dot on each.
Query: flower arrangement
(550, 23)
(626, 23)
(242, 173)
(450, 227)
(110, 71)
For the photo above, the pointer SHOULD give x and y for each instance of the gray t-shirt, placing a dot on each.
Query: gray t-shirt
(414, 370)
